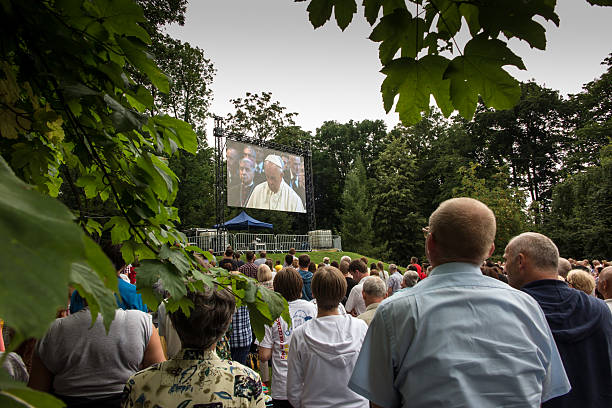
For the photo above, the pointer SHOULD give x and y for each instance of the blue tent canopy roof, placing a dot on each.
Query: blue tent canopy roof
(243, 221)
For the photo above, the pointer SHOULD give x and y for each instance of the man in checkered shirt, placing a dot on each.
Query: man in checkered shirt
(250, 268)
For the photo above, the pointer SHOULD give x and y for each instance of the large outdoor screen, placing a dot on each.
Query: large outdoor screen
(263, 178)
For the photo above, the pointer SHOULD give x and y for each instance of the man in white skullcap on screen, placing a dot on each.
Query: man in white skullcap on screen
(275, 193)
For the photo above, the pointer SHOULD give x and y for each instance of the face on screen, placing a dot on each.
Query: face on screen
(249, 153)
(294, 162)
(274, 176)
(247, 171)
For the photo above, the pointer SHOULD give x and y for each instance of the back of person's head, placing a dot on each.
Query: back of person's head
(410, 278)
(264, 274)
(292, 251)
(328, 287)
(335, 264)
(414, 260)
(358, 266)
(269, 263)
(326, 260)
(229, 252)
(380, 266)
(113, 252)
(463, 229)
(322, 264)
(250, 255)
(392, 268)
(237, 255)
(288, 259)
(304, 261)
(364, 260)
(277, 263)
(412, 267)
(539, 249)
(288, 282)
(312, 267)
(581, 280)
(344, 267)
(375, 287)
(262, 254)
(208, 321)
(563, 267)
(345, 258)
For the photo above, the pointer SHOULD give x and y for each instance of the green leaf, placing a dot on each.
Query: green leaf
(449, 20)
(176, 257)
(398, 30)
(344, 10)
(184, 303)
(144, 62)
(179, 131)
(206, 254)
(90, 184)
(99, 297)
(515, 19)
(40, 238)
(372, 8)
(17, 394)
(319, 11)
(479, 72)
(120, 229)
(415, 81)
(150, 271)
(470, 13)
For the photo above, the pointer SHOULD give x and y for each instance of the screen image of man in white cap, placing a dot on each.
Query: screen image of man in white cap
(275, 193)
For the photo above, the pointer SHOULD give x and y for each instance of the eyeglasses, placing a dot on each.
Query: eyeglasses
(425, 232)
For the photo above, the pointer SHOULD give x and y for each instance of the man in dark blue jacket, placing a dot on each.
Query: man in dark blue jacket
(581, 324)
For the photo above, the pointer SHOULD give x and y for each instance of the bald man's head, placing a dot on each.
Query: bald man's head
(604, 284)
(463, 229)
(564, 267)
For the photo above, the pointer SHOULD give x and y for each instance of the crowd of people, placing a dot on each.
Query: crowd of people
(458, 331)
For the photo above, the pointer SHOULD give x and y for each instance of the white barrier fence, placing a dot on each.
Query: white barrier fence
(211, 239)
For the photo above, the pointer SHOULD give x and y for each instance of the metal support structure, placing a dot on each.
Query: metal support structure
(220, 172)
(310, 202)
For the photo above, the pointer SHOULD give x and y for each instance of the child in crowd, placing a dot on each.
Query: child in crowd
(323, 351)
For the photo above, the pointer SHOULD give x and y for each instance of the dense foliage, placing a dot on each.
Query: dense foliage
(77, 86)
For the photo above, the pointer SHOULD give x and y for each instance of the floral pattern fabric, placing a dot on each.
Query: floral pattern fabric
(195, 378)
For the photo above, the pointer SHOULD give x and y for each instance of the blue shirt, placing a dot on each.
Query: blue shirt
(307, 280)
(459, 339)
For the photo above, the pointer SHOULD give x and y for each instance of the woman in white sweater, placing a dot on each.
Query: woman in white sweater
(323, 351)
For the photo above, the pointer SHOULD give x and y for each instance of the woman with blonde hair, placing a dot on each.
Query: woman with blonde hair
(581, 280)
(265, 277)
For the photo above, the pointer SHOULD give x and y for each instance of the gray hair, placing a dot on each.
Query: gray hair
(411, 278)
(392, 268)
(345, 258)
(537, 247)
(375, 287)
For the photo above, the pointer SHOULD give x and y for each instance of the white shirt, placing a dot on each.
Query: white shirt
(285, 199)
(355, 300)
(278, 337)
(322, 355)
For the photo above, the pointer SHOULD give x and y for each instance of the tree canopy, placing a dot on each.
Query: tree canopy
(422, 55)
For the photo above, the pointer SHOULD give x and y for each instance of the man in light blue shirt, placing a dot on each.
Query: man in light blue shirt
(459, 338)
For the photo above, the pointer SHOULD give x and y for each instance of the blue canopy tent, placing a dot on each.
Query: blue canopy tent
(243, 221)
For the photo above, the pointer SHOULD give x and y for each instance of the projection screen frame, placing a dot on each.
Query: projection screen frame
(221, 137)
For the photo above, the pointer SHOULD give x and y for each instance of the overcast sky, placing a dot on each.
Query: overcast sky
(326, 74)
